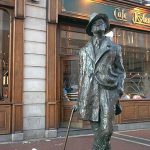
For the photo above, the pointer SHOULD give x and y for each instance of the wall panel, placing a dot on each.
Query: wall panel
(5, 119)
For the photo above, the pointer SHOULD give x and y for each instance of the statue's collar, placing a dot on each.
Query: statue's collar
(105, 46)
(96, 40)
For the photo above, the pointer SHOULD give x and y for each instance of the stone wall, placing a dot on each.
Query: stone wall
(34, 70)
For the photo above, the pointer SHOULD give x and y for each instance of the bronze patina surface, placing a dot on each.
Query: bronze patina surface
(101, 80)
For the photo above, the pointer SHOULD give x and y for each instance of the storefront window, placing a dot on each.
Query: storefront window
(70, 80)
(136, 57)
(4, 53)
(71, 43)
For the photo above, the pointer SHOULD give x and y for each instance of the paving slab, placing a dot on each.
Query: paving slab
(84, 142)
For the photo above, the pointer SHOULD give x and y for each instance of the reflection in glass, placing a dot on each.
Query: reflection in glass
(4, 53)
(70, 80)
(136, 57)
(71, 43)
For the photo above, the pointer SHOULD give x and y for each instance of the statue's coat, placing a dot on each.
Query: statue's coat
(99, 75)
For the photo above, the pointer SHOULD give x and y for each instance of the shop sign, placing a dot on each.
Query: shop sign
(120, 14)
(137, 1)
(115, 14)
(141, 18)
(137, 17)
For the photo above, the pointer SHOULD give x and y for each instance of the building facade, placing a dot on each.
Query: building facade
(40, 41)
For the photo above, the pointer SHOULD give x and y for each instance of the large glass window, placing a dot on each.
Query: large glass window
(136, 57)
(70, 79)
(71, 43)
(4, 53)
(72, 39)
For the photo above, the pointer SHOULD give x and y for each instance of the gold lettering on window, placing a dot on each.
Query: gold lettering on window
(120, 14)
(140, 18)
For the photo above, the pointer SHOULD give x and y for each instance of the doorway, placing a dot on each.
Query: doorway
(72, 39)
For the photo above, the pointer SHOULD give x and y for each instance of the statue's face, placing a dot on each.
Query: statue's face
(98, 26)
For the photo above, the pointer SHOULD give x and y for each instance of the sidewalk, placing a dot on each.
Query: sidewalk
(128, 140)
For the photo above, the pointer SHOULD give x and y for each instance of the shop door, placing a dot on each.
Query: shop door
(72, 40)
(5, 48)
(69, 86)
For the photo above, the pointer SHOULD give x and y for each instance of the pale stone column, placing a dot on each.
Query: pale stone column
(34, 70)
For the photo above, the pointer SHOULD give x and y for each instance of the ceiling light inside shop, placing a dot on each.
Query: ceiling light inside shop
(146, 2)
(87, 1)
(110, 34)
(98, 1)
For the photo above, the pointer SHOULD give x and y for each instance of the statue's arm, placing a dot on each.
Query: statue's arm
(120, 70)
(81, 61)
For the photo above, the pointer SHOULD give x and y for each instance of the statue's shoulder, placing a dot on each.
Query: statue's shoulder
(116, 47)
(85, 47)
(81, 51)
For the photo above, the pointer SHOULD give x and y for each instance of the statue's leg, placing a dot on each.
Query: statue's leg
(101, 137)
(103, 129)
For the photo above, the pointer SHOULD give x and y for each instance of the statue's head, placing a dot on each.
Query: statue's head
(97, 18)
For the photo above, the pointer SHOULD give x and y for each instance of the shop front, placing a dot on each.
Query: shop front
(11, 67)
(129, 28)
(34, 104)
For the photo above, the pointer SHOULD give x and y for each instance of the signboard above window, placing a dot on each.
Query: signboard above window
(137, 1)
(137, 17)
(124, 16)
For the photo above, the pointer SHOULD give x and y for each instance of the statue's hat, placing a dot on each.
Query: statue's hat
(93, 18)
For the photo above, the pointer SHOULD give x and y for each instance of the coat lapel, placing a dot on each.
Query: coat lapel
(102, 50)
(105, 47)
(90, 51)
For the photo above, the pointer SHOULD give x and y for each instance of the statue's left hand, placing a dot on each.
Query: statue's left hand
(120, 92)
(75, 108)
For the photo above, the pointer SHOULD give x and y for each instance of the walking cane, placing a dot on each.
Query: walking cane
(74, 108)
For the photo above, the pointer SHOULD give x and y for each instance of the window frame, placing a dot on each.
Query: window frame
(11, 14)
(133, 75)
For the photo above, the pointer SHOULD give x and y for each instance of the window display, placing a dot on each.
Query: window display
(70, 80)
(136, 57)
(4, 53)
(71, 42)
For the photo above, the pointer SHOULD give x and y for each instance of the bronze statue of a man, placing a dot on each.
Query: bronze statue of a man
(100, 81)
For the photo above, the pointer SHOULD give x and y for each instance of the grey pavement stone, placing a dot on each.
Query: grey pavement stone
(34, 134)
(5, 138)
(51, 133)
(17, 137)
